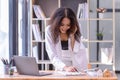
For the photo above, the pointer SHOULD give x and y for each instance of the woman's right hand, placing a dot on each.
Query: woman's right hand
(70, 69)
(73, 33)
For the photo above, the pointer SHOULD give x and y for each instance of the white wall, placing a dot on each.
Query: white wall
(117, 55)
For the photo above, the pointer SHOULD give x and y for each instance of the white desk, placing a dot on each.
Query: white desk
(55, 77)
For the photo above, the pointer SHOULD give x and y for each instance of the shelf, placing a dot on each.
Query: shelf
(101, 41)
(86, 40)
(82, 19)
(44, 62)
(101, 63)
(89, 26)
(40, 19)
(38, 41)
(100, 19)
(95, 19)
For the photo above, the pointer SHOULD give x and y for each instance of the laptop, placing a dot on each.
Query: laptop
(28, 66)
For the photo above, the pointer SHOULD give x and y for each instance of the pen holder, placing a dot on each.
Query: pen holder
(6, 69)
(11, 71)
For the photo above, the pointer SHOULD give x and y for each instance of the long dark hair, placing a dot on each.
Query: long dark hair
(55, 23)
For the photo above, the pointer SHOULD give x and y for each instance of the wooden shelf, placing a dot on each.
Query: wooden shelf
(40, 19)
(100, 19)
(101, 63)
(38, 41)
(101, 41)
(89, 23)
(44, 62)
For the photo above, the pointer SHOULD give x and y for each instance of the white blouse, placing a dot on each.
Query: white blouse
(61, 58)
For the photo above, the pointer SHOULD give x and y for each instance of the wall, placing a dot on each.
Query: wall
(117, 41)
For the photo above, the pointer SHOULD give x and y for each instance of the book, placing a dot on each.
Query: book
(36, 32)
(82, 11)
(35, 52)
(38, 11)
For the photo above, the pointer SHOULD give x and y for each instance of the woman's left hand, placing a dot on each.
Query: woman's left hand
(70, 69)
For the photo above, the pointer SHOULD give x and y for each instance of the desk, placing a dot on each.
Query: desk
(54, 77)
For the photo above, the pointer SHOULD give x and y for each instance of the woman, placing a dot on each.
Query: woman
(63, 42)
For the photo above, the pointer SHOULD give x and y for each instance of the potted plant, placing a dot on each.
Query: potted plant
(100, 35)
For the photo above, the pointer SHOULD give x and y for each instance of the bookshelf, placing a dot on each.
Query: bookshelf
(45, 7)
(90, 25)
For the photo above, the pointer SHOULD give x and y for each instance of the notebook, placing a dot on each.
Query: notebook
(28, 66)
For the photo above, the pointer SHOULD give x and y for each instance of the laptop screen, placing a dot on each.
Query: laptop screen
(26, 65)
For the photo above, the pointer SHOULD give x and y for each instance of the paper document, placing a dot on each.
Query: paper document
(70, 73)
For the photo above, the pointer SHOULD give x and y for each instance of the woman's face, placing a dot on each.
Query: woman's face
(65, 25)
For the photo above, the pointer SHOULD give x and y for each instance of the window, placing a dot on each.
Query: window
(23, 27)
(4, 30)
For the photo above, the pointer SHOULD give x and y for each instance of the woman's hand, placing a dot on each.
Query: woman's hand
(70, 69)
(72, 37)
(72, 34)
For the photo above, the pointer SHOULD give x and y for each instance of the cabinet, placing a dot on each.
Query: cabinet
(90, 26)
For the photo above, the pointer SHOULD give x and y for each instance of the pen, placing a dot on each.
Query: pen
(3, 60)
(10, 61)
(6, 61)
